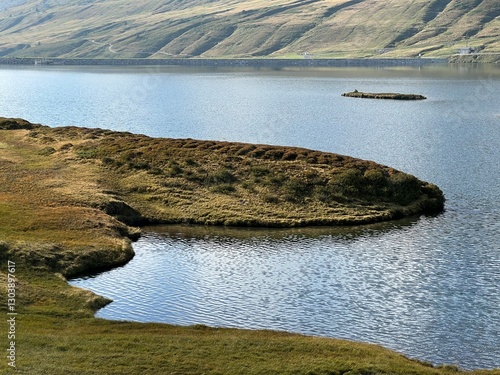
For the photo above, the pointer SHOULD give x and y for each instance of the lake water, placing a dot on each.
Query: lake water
(427, 287)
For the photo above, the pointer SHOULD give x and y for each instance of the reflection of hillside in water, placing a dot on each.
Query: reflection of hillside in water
(414, 286)
(243, 234)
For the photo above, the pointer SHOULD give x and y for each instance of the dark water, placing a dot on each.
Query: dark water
(427, 287)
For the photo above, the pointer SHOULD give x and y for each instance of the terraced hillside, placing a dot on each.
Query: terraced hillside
(249, 28)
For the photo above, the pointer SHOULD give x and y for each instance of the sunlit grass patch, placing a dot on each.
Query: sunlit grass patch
(256, 174)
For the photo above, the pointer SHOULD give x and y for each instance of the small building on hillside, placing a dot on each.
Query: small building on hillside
(466, 50)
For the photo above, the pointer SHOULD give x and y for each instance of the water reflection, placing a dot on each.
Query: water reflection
(395, 284)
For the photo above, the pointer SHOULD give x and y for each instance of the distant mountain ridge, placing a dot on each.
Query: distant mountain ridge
(250, 28)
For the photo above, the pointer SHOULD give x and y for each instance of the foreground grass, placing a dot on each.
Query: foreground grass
(57, 335)
(65, 195)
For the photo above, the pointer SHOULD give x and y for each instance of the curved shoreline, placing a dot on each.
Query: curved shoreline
(90, 187)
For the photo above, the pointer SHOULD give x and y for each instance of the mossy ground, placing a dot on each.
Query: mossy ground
(66, 194)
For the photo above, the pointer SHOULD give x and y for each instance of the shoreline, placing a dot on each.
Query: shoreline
(257, 62)
(100, 185)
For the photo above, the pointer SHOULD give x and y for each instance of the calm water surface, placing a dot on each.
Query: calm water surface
(426, 287)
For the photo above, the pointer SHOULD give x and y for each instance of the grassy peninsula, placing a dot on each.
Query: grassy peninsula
(141, 180)
(69, 201)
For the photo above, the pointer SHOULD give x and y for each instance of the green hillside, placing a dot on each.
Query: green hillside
(249, 28)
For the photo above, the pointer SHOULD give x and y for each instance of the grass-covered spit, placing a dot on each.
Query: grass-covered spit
(139, 179)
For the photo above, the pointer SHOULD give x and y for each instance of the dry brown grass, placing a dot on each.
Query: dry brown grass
(208, 182)
(49, 209)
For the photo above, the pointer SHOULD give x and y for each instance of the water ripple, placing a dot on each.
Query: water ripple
(382, 286)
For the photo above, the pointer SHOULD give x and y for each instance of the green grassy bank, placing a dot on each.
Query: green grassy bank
(69, 201)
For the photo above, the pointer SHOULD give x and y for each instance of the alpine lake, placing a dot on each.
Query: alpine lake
(427, 287)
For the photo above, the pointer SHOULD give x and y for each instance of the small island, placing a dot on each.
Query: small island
(383, 95)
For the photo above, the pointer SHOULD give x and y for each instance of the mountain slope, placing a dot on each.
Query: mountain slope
(250, 28)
